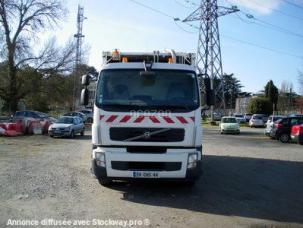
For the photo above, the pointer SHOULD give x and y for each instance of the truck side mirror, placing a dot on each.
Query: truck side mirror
(85, 80)
(84, 97)
(209, 93)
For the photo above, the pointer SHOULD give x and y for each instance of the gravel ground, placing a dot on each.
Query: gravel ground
(249, 181)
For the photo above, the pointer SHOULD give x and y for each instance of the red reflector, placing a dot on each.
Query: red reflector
(154, 119)
(182, 119)
(168, 119)
(139, 119)
(125, 119)
(111, 118)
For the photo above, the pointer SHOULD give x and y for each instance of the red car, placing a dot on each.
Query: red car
(297, 133)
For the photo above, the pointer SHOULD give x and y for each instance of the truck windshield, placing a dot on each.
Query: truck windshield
(126, 90)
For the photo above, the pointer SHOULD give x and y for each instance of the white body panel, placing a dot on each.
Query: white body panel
(162, 66)
(193, 131)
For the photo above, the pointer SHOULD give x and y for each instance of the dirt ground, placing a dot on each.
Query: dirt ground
(248, 181)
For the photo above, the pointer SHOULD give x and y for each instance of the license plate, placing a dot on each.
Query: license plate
(57, 131)
(145, 174)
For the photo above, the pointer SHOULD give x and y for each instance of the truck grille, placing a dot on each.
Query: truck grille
(146, 149)
(146, 134)
(150, 166)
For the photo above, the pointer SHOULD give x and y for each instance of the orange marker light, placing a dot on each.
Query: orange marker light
(124, 60)
(170, 60)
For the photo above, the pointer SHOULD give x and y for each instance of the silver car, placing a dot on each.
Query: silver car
(270, 123)
(256, 121)
(79, 114)
(240, 118)
(89, 115)
(67, 126)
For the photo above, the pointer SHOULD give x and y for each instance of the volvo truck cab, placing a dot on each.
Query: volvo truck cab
(147, 117)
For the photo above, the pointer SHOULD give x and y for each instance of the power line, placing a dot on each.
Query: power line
(229, 37)
(270, 25)
(153, 9)
(181, 4)
(262, 47)
(258, 46)
(278, 11)
(175, 19)
(180, 27)
(293, 4)
(243, 20)
(265, 24)
(190, 2)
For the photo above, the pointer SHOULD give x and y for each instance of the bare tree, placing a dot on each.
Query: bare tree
(286, 96)
(20, 22)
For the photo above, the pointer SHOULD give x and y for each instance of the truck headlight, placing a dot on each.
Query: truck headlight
(192, 160)
(100, 159)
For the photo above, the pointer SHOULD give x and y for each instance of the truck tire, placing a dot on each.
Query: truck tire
(104, 181)
(82, 132)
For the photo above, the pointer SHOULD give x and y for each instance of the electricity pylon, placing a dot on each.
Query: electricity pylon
(209, 61)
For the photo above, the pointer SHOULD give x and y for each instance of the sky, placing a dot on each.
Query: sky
(254, 53)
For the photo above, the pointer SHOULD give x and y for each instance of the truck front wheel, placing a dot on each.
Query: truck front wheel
(100, 174)
(104, 181)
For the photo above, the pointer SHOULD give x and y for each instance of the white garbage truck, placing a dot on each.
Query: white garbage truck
(147, 117)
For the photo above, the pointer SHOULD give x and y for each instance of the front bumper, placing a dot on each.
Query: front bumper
(59, 133)
(231, 131)
(113, 155)
(191, 174)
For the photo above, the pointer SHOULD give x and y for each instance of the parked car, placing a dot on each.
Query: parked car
(256, 120)
(229, 124)
(265, 118)
(247, 117)
(282, 128)
(89, 114)
(295, 115)
(79, 114)
(67, 126)
(217, 116)
(270, 123)
(240, 118)
(31, 114)
(28, 115)
(297, 134)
